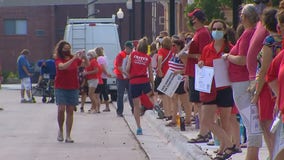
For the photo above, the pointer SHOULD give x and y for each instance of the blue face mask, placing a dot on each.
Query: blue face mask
(217, 35)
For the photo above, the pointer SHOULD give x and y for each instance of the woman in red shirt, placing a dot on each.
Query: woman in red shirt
(220, 98)
(139, 68)
(164, 55)
(66, 85)
(91, 74)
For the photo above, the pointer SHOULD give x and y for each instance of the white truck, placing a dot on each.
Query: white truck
(89, 33)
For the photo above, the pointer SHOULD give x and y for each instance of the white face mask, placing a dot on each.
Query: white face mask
(217, 35)
(89, 57)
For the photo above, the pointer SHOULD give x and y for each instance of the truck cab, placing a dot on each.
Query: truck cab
(89, 33)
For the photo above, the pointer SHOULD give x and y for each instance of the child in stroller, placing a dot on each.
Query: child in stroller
(45, 85)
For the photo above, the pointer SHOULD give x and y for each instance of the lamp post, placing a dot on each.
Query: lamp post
(120, 16)
(129, 8)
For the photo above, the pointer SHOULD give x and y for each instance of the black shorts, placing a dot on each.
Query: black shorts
(137, 89)
(99, 88)
(180, 90)
(224, 98)
(157, 82)
(194, 94)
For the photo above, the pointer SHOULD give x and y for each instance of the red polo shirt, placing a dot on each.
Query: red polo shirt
(209, 53)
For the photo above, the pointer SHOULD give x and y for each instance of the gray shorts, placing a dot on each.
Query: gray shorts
(242, 101)
(93, 83)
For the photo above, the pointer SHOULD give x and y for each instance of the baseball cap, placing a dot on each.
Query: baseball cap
(199, 14)
(129, 44)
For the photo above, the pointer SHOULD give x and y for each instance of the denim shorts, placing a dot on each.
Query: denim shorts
(67, 97)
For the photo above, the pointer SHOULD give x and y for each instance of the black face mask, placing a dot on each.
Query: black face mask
(66, 53)
(191, 22)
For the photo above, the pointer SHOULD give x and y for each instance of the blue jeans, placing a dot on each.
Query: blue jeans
(122, 85)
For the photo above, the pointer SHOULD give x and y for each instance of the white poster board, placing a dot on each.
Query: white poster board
(170, 83)
(221, 74)
(203, 78)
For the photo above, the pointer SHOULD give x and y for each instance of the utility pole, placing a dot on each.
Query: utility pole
(172, 17)
(236, 18)
(142, 18)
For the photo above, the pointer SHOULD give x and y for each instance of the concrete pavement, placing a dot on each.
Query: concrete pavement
(93, 134)
(29, 131)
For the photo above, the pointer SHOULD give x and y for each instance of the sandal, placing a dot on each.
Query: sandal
(199, 139)
(228, 152)
(219, 156)
(171, 124)
(106, 110)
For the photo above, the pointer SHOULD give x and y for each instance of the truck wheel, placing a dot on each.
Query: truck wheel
(113, 96)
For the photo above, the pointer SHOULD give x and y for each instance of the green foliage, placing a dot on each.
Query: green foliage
(9, 75)
(212, 8)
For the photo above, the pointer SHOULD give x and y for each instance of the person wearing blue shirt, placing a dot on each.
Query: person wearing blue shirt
(47, 73)
(25, 73)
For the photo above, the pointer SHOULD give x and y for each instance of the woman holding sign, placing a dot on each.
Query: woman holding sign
(176, 65)
(139, 68)
(219, 98)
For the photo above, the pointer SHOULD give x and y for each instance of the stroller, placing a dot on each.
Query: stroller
(45, 89)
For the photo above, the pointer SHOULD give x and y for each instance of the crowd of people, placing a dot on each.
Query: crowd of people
(255, 70)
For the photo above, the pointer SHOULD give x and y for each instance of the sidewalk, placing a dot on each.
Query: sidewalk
(158, 142)
(29, 131)
(178, 139)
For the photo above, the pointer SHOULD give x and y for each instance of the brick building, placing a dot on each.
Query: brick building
(38, 25)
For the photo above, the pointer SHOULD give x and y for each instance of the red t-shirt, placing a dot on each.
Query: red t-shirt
(164, 53)
(201, 38)
(139, 67)
(281, 88)
(255, 46)
(273, 69)
(239, 73)
(118, 63)
(67, 78)
(93, 65)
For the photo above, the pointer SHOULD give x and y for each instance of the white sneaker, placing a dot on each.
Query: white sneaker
(60, 137)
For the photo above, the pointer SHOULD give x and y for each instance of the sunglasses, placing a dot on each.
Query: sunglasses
(218, 29)
(260, 1)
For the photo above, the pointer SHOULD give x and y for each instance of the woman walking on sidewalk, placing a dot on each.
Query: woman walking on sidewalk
(66, 85)
(138, 65)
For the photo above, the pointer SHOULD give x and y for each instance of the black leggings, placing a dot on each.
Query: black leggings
(104, 91)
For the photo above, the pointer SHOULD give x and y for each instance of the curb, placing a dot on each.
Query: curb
(186, 150)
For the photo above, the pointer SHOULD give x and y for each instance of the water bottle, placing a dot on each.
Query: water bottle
(242, 130)
(182, 122)
(178, 119)
(216, 141)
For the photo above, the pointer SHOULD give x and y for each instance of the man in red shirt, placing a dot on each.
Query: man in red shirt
(122, 79)
(200, 39)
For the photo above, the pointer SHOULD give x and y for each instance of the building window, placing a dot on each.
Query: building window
(40, 33)
(15, 27)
